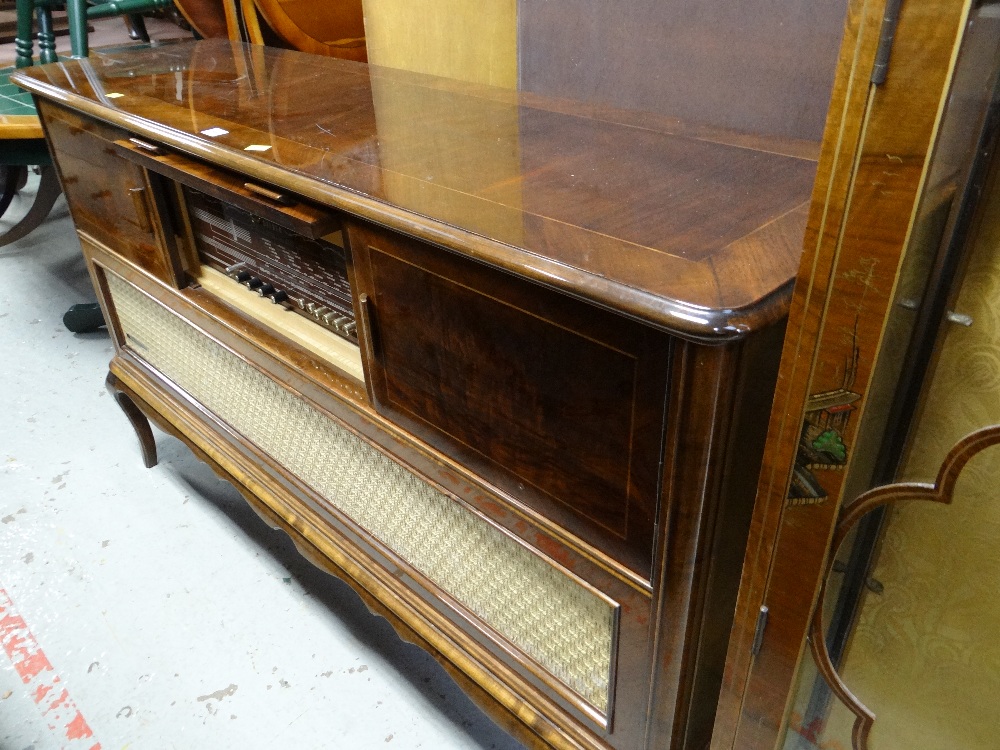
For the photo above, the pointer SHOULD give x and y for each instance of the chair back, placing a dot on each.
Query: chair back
(206, 17)
(335, 28)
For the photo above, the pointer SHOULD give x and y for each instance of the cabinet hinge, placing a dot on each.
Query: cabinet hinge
(885, 39)
(758, 633)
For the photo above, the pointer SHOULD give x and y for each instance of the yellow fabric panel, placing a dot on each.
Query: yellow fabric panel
(453, 38)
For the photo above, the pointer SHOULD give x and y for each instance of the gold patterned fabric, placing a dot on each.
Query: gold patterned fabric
(543, 611)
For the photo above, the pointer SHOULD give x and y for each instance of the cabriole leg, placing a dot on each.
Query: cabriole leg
(147, 445)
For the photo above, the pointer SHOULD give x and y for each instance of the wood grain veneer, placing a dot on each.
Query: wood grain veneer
(759, 66)
(583, 451)
(662, 222)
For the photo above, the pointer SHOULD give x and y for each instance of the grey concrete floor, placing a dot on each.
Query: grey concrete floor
(152, 608)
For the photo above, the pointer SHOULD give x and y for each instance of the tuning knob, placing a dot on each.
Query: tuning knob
(243, 277)
(278, 296)
(265, 289)
(254, 282)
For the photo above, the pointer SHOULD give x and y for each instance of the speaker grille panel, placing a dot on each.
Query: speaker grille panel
(547, 614)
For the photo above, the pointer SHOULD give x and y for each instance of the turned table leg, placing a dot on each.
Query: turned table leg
(147, 445)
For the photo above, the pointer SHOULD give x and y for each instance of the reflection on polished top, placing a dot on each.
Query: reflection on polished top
(696, 230)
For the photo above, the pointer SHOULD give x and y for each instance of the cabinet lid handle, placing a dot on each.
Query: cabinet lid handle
(141, 209)
(283, 198)
(145, 146)
(369, 344)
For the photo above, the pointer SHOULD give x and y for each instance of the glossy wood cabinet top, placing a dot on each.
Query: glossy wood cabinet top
(697, 230)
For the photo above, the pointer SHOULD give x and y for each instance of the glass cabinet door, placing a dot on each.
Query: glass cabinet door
(904, 650)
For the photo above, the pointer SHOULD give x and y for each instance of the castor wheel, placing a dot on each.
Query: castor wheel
(84, 318)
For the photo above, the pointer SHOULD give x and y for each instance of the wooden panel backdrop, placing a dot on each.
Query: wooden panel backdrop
(763, 66)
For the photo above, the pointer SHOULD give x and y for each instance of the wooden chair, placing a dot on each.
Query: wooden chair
(333, 28)
(206, 17)
(82, 11)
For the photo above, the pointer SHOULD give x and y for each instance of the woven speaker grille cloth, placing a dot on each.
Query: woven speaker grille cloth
(547, 614)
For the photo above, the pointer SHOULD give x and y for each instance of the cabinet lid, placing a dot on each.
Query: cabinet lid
(694, 229)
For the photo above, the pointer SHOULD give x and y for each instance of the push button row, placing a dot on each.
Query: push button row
(331, 318)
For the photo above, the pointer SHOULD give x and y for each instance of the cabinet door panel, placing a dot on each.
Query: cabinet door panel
(109, 196)
(556, 402)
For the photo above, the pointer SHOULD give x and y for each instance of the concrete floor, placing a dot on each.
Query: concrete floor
(152, 608)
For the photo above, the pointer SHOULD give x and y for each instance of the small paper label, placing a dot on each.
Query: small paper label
(257, 147)
(214, 132)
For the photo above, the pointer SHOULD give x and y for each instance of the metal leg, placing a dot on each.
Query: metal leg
(136, 27)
